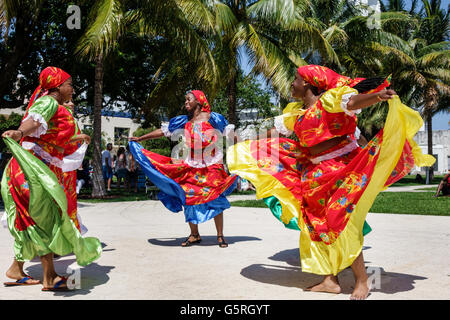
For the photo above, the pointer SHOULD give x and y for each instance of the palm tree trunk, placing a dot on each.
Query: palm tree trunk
(98, 184)
(429, 119)
(232, 99)
(430, 101)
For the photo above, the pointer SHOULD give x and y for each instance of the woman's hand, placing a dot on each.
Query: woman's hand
(137, 139)
(384, 95)
(13, 134)
(82, 136)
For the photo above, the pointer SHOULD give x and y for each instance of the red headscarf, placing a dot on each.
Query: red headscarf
(326, 79)
(49, 78)
(200, 96)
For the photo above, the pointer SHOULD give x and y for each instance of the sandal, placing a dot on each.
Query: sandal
(222, 244)
(57, 286)
(21, 282)
(187, 243)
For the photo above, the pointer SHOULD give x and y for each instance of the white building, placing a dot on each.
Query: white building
(116, 126)
(441, 149)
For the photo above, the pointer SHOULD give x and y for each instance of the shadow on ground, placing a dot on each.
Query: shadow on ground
(206, 241)
(85, 204)
(292, 275)
(92, 275)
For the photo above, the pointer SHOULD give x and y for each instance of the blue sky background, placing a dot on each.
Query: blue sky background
(440, 120)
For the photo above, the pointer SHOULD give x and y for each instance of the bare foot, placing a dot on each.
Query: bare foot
(19, 274)
(330, 285)
(361, 291)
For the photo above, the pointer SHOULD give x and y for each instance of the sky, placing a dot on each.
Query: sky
(441, 121)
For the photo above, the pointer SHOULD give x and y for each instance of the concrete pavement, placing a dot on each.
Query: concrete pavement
(142, 258)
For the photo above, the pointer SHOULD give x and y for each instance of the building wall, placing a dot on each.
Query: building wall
(441, 149)
(110, 128)
(109, 125)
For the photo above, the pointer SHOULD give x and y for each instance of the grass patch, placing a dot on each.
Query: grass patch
(112, 198)
(249, 203)
(120, 195)
(115, 196)
(427, 189)
(422, 203)
(235, 192)
(411, 181)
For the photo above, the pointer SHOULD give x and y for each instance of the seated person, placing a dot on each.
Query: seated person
(444, 186)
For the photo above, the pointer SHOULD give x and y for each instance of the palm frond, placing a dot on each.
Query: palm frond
(167, 20)
(279, 12)
(393, 55)
(199, 14)
(336, 36)
(435, 59)
(102, 34)
(438, 73)
(439, 46)
(268, 58)
(225, 19)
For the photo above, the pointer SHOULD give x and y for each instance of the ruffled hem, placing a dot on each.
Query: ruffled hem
(165, 129)
(42, 129)
(228, 129)
(280, 126)
(73, 161)
(345, 100)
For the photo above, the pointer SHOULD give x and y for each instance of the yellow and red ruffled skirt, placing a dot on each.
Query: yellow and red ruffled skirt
(329, 200)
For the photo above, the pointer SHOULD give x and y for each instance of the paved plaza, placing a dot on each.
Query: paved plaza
(408, 255)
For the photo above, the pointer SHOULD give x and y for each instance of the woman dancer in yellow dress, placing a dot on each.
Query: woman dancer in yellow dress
(325, 183)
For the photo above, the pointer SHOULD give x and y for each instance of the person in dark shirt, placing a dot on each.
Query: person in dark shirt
(444, 186)
(83, 177)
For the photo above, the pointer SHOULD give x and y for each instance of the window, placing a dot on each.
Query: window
(121, 136)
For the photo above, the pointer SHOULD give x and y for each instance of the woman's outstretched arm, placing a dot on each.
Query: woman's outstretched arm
(158, 133)
(361, 101)
(25, 129)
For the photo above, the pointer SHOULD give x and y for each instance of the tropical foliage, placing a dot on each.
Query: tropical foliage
(145, 55)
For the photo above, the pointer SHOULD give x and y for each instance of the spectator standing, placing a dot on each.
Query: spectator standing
(121, 167)
(107, 165)
(133, 170)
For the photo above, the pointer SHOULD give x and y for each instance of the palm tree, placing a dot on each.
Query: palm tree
(272, 33)
(111, 20)
(103, 14)
(421, 65)
(352, 37)
(24, 17)
(435, 61)
(98, 185)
